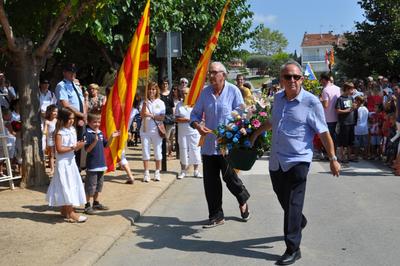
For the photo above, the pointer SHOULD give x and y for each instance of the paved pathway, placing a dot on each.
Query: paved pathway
(353, 220)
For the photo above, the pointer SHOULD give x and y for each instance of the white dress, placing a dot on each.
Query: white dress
(66, 186)
(51, 127)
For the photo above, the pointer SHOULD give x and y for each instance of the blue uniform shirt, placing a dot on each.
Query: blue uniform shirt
(65, 91)
(217, 110)
(294, 124)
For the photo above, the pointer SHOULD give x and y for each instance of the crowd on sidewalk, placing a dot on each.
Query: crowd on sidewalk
(363, 119)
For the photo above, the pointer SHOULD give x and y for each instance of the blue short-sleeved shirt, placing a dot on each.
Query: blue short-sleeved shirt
(65, 91)
(294, 124)
(217, 110)
(95, 160)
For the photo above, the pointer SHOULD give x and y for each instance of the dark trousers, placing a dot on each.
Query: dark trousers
(332, 131)
(212, 167)
(290, 187)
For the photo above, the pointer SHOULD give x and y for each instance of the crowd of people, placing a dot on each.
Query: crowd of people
(73, 143)
(363, 118)
(360, 120)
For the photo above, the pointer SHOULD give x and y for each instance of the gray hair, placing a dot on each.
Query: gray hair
(184, 80)
(221, 66)
(291, 62)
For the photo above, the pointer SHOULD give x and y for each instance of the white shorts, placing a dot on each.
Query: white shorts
(189, 150)
(156, 140)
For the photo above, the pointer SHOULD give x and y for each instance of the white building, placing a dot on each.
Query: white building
(314, 47)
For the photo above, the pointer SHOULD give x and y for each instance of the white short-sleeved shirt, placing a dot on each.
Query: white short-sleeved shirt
(362, 121)
(184, 111)
(156, 107)
(46, 99)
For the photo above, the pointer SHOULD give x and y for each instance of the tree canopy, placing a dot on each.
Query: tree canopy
(374, 47)
(106, 27)
(268, 42)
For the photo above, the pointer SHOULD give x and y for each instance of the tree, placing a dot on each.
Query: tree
(268, 42)
(373, 48)
(30, 38)
(58, 31)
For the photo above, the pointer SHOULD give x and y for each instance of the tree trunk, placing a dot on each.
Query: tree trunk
(27, 70)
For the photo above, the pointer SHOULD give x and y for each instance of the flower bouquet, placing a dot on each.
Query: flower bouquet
(234, 137)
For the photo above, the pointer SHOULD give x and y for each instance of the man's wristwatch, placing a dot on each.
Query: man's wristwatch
(333, 158)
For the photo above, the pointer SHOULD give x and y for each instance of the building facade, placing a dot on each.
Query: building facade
(314, 48)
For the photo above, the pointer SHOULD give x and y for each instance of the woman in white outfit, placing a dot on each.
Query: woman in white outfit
(188, 139)
(152, 111)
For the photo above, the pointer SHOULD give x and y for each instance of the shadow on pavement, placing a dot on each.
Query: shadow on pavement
(171, 232)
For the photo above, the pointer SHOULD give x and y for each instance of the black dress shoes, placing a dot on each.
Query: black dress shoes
(245, 214)
(289, 258)
(303, 222)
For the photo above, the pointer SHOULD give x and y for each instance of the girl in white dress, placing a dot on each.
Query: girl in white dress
(66, 188)
(152, 111)
(49, 128)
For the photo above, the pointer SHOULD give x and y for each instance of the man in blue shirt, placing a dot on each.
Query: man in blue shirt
(296, 117)
(215, 104)
(69, 95)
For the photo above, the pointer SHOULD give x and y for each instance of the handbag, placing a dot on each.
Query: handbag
(161, 129)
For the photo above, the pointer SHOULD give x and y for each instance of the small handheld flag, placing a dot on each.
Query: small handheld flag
(309, 72)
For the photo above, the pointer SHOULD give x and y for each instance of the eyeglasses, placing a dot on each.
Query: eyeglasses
(214, 72)
(289, 77)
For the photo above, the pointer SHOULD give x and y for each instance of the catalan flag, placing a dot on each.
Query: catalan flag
(202, 67)
(331, 58)
(115, 114)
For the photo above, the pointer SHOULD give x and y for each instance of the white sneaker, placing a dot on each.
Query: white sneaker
(197, 174)
(181, 175)
(146, 177)
(157, 176)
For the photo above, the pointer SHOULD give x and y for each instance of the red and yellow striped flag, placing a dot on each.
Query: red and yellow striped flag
(332, 57)
(115, 114)
(202, 67)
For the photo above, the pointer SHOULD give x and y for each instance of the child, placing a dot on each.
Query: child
(95, 162)
(346, 119)
(49, 128)
(375, 135)
(66, 188)
(361, 128)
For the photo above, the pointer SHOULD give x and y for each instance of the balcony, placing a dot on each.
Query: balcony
(313, 58)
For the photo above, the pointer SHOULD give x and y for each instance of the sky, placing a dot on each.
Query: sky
(294, 18)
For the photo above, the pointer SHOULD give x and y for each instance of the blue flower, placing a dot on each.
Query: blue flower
(264, 134)
(229, 146)
(229, 134)
(235, 140)
(237, 135)
(235, 128)
(249, 130)
(247, 143)
(221, 131)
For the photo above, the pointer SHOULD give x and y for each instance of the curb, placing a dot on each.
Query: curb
(94, 248)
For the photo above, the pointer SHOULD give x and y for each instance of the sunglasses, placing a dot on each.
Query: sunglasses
(289, 77)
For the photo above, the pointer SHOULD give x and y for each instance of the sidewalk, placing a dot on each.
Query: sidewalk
(31, 233)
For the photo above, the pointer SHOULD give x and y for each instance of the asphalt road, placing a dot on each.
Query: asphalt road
(352, 220)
